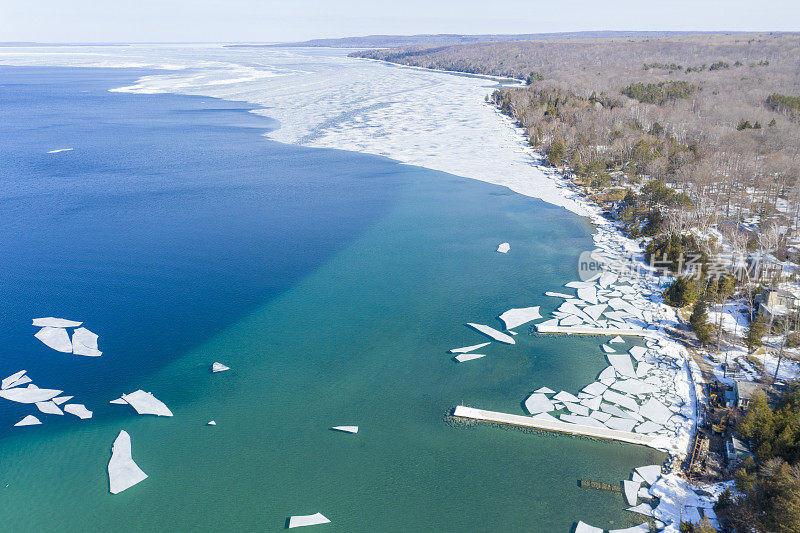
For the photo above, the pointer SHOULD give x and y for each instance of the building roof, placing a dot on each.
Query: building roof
(746, 389)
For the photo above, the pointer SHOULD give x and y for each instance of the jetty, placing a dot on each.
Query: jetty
(555, 426)
(589, 330)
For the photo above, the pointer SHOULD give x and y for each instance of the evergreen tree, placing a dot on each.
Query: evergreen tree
(557, 152)
(699, 322)
(755, 332)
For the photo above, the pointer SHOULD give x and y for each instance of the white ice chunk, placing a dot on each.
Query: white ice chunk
(582, 420)
(592, 403)
(608, 349)
(655, 411)
(49, 408)
(307, 520)
(595, 389)
(620, 424)
(503, 247)
(649, 473)
(29, 394)
(55, 322)
(516, 317)
(638, 352)
(61, 399)
(59, 150)
(616, 411)
(648, 427)
(21, 381)
(29, 420)
(642, 508)
(586, 528)
(607, 279)
(472, 348)
(538, 403)
(219, 367)
(595, 311)
(579, 284)
(617, 339)
(146, 404)
(619, 399)
(55, 338)
(493, 333)
(631, 489)
(545, 390)
(84, 342)
(10, 380)
(123, 472)
(577, 409)
(622, 364)
(346, 429)
(212, 423)
(600, 415)
(588, 294)
(79, 410)
(558, 294)
(633, 386)
(463, 357)
(607, 373)
(642, 369)
(119, 401)
(545, 416)
(571, 320)
(564, 396)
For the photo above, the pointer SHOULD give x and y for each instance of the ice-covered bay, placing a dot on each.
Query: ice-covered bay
(323, 98)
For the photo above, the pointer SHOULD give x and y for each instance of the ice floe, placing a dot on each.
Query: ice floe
(655, 411)
(79, 410)
(620, 424)
(620, 399)
(617, 339)
(631, 489)
(11, 380)
(307, 520)
(642, 508)
(622, 364)
(503, 248)
(493, 333)
(123, 472)
(61, 399)
(84, 342)
(633, 386)
(212, 423)
(641, 528)
(472, 348)
(583, 527)
(564, 396)
(29, 394)
(545, 390)
(59, 150)
(595, 389)
(49, 408)
(516, 317)
(538, 403)
(608, 349)
(219, 367)
(29, 420)
(145, 403)
(52, 322)
(346, 429)
(463, 357)
(649, 473)
(55, 338)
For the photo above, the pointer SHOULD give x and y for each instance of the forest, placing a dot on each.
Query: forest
(715, 118)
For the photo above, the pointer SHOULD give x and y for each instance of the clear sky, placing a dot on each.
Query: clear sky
(271, 20)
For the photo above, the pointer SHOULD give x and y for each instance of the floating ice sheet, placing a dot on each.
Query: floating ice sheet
(642, 508)
(622, 364)
(219, 367)
(29, 394)
(29, 420)
(641, 528)
(84, 342)
(619, 399)
(49, 321)
(631, 489)
(55, 338)
(516, 317)
(655, 411)
(212, 423)
(617, 339)
(49, 408)
(582, 527)
(633, 386)
(12, 379)
(538, 403)
(146, 404)
(620, 424)
(595, 389)
(649, 473)
(79, 410)
(346, 429)
(61, 399)
(463, 357)
(503, 248)
(307, 520)
(608, 349)
(564, 396)
(123, 472)
(466, 349)
(545, 390)
(493, 333)
(59, 150)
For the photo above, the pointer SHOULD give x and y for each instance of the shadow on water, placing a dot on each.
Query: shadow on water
(171, 219)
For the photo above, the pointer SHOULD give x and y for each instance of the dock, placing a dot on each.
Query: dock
(554, 426)
(588, 330)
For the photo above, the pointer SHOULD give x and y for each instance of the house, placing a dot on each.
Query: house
(737, 450)
(743, 392)
(774, 303)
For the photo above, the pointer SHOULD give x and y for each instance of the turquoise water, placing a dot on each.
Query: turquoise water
(332, 283)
